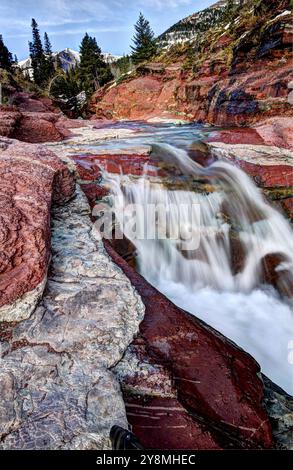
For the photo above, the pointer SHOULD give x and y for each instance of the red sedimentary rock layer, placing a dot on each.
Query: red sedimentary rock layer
(89, 165)
(249, 88)
(269, 176)
(276, 131)
(35, 120)
(31, 177)
(217, 384)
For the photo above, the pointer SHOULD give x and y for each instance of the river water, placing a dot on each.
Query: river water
(202, 278)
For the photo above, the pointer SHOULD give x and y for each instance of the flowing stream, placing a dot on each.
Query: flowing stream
(206, 249)
(213, 267)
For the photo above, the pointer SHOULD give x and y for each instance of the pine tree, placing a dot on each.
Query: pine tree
(37, 55)
(50, 69)
(6, 60)
(93, 71)
(144, 42)
(231, 8)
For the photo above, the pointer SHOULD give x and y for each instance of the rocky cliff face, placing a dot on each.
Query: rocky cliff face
(218, 78)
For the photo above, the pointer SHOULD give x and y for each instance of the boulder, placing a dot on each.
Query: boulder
(37, 127)
(29, 102)
(275, 274)
(31, 179)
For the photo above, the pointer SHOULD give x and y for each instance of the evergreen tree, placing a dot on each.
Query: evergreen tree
(144, 42)
(93, 71)
(50, 69)
(231, 9)
(37, 55)
(6, 60)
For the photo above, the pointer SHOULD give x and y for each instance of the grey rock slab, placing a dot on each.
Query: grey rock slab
(257, 154)
(57, 389)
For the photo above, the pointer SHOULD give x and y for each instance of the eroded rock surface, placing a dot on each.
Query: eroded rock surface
(56, 388)
(33, 119)
(280, 408)
(233, 74)
(270, 167)
(31, 178)
(210, 379)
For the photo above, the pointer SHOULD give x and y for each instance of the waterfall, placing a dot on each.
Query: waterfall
(221, 278)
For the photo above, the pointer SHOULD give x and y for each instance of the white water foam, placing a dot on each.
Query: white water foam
(204, 282)
(258, 321)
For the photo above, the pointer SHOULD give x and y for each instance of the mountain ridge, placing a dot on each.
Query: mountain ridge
(187, 28)
(68, 58)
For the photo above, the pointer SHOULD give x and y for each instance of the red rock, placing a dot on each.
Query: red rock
(93, 191)
(287, 205)
(282, 279)
(237, 136)
(37, 127)
(269, 166)
(210, 97)
(28, 102)
(9, 119)
(153, 408)
(89, 165)
(276, 131)
(217, 383)
(143, 91)
(269, 176)
(170, 417)
(34, 120)
(87, 170)
(31, 177)
(211, 88)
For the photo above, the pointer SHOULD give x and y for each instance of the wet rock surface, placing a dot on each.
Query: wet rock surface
(196, 358)
(270, 167)
(31, 179)
(152, 405)
(56, 385)
(280, 409)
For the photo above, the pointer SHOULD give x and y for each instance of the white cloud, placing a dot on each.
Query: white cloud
(53, 12)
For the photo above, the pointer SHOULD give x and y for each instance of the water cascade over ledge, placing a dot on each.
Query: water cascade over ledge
(221, 279)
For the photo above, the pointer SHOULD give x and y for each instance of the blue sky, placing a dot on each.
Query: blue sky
(110, 21)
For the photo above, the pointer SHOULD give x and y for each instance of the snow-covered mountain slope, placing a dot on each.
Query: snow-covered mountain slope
(187, 28)
(68, 58)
